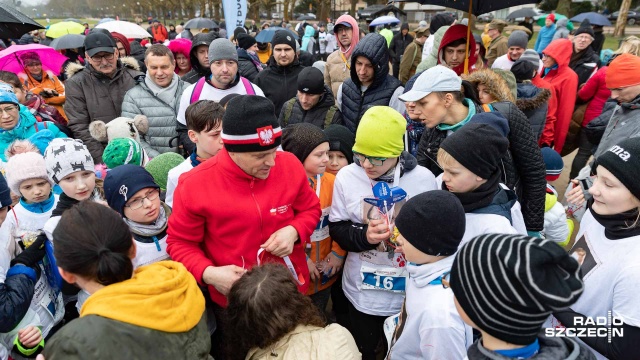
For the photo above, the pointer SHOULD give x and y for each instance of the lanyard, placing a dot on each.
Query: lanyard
(346, 63)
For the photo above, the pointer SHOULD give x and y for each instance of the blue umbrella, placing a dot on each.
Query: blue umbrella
(593, 17)
(102, 21)
(265, 36)
(383, 20)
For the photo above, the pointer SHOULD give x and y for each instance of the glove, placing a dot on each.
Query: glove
(32, 255)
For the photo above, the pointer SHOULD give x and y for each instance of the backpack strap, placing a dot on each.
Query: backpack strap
(248, 86)
(197, 90)
(487, 108)
(40, 126)
(329, 117)
(287, 112)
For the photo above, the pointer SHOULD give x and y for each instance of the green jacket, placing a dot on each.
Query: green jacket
(432, 60)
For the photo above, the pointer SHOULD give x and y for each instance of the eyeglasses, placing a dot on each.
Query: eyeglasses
(107, 57)
(375, 161)
(138, 203)
(8, 109)
(584, 38)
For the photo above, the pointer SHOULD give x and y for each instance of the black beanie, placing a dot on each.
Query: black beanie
(433, 207)
(300, 139)
(239, 30)
(477, 147)
(311, 81)
(245, 41)
(341, 139)
(439, 21)
(523, 70)
(623, 161)
(249, 124)
(585, 28)
(283, 37)
(508, 285)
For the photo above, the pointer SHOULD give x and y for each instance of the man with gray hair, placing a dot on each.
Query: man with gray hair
(517, 44)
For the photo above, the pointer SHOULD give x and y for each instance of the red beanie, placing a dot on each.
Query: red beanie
(551, 17)
(623, 72)
(123, 40)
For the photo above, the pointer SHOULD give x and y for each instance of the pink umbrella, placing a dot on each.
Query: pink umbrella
(50, 58)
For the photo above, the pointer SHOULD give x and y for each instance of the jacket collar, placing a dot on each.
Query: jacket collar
(231, 169)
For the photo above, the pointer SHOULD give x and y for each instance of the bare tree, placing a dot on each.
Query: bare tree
(622, 18)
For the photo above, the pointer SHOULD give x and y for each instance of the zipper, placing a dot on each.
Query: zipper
(253, 195)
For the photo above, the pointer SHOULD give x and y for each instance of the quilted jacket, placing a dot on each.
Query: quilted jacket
(532, 101)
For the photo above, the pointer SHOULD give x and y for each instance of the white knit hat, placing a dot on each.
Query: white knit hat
(25, 166)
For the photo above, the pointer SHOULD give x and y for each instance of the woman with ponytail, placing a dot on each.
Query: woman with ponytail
(156, 311)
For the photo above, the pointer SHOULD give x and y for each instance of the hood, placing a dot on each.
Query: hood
(200, 39)
(356, 34)
(137, 50)
(126, 61)
(422, 275)
(405, 26)
(495, 84)
(457, 32)
(560, 50)
(374, 48)
(562, 23)
(551, 348)
(309, 31)
(531, 97)
(165, 287)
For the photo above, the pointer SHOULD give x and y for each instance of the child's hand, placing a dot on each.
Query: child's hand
(576, 195)
(30, 336)
(334, 263)
(377, 231)
(313, 272)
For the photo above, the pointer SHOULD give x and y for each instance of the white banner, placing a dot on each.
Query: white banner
(235, 13)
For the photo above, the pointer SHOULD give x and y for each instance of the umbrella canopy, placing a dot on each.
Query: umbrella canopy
(265, 36)
(125, 28)
(201, 23)
(522, 13)
(383, 20)
(50, 58)
(593, 17)
(305, 17)
(102, 21)
(73, 19)
(14, 24)
(477, 7)
(63, 28)
(69, 41)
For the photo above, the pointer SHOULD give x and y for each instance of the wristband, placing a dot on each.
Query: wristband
(338, 256)
(28, 351)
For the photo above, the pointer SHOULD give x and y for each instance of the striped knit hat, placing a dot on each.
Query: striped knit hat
(508, 285)
(249, 124)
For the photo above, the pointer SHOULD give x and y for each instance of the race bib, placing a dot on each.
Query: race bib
(385, 279)
(322, 229)
(382, 258)
(44, 297)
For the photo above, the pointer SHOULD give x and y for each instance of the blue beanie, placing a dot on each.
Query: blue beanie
(123, 182)
(5, 193)
(552, 162)
(7, 96)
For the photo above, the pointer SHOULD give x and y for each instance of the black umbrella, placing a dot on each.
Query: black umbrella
(522, 13)
(200, 23)
(14, 24)
(305, 17)
(69, 41)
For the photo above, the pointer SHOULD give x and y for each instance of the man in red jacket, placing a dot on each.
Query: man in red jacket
(159, 32)
(247, 198)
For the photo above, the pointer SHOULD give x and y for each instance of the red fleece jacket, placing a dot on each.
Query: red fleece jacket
(221, 215)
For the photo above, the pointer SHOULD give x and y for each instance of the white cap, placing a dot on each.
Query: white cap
(438, 78)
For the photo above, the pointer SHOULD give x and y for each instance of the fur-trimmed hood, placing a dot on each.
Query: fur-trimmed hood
(531, 97)
(495, 84)
(127, 61)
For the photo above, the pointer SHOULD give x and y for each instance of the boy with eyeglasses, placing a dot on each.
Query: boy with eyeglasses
(429, 327)
(374, 275)
(131, 191)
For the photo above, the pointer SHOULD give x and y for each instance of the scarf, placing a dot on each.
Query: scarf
(472, 111)
(255, 60)
(151, 229)
(166, 94)
(64, 203)
(37, 78)
(195, 159)
(617, 226)
(41, 207)
(480, 197)
(576, 57)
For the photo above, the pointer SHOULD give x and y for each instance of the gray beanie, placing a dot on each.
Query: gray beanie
(532, 57)
(222, 49)
(64, 156)
(518, 38)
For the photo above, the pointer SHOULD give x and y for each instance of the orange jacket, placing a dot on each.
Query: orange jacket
(320, 246)
(49, 81)
(159, 33)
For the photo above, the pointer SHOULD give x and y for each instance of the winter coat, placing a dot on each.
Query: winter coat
(561, 30)
(432, 58)
(336, 71)
(248, 210)
(552, 107)
(545, 36)
(533, 102)
(316, 115)
(596, 127)
(494, 84)
(279, 83)
(49, 81)
(598, 41)
(161, 116)
(596, 93)
(27, 126)
(565, 81)
(307, 342)
(497, 47)
(197, 71)
(264, 55)
(556, 226)
(138, 52)
(410, 61)
(524, 169)
(551, 348)
(159, 33)
(126, 314)
(355, 102)
(93, 96)
(586, 65)
(623, 124)
(398, 44)
(246, 67)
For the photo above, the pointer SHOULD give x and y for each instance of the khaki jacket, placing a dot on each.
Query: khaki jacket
(497, 48)
(336, 71)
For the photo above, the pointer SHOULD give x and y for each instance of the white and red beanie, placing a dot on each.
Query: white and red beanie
(249, 124)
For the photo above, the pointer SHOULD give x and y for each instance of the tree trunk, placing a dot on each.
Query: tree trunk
(622, 19)
(285, 10)
(564, 7)
(352, 11)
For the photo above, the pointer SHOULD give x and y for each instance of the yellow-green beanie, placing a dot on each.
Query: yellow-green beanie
(381, 133)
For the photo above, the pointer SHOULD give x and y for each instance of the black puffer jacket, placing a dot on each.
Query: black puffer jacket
(355, 102)
(524, 169)
(197, 71)
(15, 297)
(399, 43)
(586, 65)
(137, 52)
(279, 83)
(246, 67)
(532, 101)
(316, 115)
